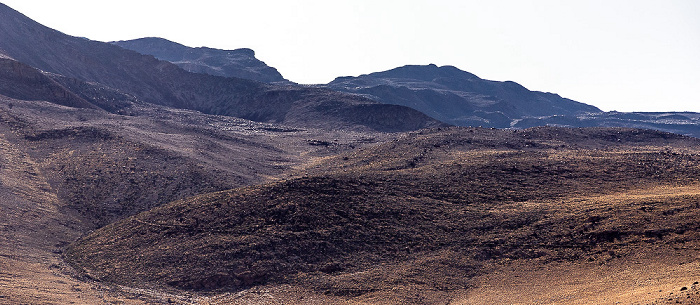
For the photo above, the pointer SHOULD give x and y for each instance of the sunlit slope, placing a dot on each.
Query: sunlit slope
(422, 219)
(66, 171)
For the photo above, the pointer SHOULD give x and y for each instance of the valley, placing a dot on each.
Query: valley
(67, 171)
(348, 217)
(186, 175)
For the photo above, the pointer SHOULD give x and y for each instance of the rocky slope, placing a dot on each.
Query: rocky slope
(173, 205)
(414, 221)
(23, 82)
(239, 63)
(458, 97)
(65, 171)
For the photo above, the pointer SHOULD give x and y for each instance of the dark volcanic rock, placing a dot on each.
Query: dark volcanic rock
(239, 63)
(458, 97)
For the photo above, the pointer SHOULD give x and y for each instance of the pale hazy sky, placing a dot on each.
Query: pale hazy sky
(631, 55)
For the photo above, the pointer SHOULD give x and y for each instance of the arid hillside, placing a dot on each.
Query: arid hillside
(433, 217)
(65, 171)
(126, 179)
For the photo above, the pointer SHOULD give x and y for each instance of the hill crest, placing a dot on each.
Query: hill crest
(458, 97)
(239, 63)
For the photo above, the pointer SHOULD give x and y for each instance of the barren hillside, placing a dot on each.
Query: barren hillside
(423, 219)
(67, 171)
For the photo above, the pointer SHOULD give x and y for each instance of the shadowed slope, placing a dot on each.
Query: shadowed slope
(23, 82)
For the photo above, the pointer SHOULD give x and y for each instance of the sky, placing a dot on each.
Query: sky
(621, 55)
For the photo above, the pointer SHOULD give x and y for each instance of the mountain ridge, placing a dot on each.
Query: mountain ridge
(125, 179)
(163, 83)
(239, 63)
(458, 97)
(461, 98)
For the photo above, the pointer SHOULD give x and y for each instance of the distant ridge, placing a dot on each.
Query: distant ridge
(458, 97)
(160, 82)
(111, 78)
(239, 63)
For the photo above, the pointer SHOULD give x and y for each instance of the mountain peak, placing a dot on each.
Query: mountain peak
(458, 97)
(239, 63)
(425, 72)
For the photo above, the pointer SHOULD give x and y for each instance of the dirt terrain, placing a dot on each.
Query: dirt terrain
(122, 183)
(67, 171)
(433, 217)
(285, 215)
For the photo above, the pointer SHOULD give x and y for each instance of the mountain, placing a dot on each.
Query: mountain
(163, 83)
(125, 179)
(458, 97)
(239, 63)
(424, 218)
(461, 98)
(685, 123)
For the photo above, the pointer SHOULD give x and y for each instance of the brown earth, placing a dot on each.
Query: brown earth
(434, 217)
(66, 171)
(124, 202)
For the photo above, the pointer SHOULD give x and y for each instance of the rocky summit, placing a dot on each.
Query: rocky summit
(459, 97)
(239, 63)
